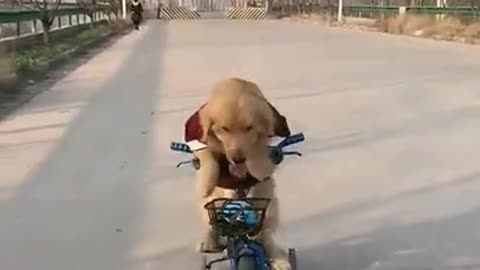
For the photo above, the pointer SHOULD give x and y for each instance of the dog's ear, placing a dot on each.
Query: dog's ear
(280, 126)
(205, 122)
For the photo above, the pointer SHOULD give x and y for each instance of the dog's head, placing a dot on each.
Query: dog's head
(241, 122)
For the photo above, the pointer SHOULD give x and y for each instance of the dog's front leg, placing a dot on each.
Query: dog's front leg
(207, 174)
(278, 256)
(206, 181)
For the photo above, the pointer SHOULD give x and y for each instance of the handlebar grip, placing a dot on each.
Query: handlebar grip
(293, 139)
(180, 147)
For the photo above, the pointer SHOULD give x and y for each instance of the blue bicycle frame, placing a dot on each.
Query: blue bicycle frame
(251, 248)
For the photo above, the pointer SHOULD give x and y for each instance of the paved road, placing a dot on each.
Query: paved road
(390, 177)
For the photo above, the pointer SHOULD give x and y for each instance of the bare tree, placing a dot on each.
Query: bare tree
(475, 4)
(111, 7)
(47, 9)
(90, 7)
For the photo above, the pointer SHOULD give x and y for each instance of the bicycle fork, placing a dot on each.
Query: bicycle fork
(250, 248)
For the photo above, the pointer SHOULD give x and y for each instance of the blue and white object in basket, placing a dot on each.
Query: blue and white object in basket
(240, 211)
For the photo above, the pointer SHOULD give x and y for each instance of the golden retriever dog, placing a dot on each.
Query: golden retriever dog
(229, 135)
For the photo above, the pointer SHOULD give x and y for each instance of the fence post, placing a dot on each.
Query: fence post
(34, 26)
(340, 11)
(59, 19)
(124, 9)
(18, 28)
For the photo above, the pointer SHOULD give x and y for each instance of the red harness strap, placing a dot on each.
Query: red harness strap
(193, 128)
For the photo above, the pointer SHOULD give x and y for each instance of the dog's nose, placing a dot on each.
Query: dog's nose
(239, 160)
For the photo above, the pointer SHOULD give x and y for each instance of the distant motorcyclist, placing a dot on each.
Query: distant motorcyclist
(136, 10)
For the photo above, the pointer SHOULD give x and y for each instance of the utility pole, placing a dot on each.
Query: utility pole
(340, 11)
(124, 9)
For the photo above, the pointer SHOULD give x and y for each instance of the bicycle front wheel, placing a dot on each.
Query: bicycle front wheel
(247, 263)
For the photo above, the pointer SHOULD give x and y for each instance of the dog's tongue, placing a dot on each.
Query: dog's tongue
(239, 170)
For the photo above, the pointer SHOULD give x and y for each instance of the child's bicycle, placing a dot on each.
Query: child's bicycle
(237, 221)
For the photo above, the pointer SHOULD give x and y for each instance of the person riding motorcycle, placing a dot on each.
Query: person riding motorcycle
(136, 10)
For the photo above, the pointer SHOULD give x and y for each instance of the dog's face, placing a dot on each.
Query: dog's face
(240, 123)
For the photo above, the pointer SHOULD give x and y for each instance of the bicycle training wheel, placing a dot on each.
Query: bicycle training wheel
(247, 263)
(203, 262)
(292, 258)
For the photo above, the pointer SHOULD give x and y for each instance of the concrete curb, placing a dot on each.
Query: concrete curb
(20, 95)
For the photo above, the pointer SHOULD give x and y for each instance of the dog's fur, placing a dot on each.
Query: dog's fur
(237, 122)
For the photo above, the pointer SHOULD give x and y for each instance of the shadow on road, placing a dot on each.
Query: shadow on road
(432, 243)
(12, 102)
(82, 207)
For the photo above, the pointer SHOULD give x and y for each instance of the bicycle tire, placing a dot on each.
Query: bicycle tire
(292, 258)
(247, 263)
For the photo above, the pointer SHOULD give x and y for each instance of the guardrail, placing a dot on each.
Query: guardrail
(463, 13)
(371, 11)
(19, 23)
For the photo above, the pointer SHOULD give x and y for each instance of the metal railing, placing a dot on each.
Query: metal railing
(467, 13)
(18, 23)
(464, 13)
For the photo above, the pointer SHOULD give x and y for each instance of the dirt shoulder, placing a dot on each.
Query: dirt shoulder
(449, 28)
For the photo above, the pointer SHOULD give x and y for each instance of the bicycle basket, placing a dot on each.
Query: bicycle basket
(231, 217)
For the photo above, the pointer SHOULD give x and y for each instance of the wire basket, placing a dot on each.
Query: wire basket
(235, 217)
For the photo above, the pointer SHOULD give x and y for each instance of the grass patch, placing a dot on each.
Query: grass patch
(20, 65)
(27, 60)
(442, 27)
(446, 28)
(406, 25)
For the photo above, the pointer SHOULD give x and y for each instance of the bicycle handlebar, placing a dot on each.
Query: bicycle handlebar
(180, 147)
(276, 152)
(287, 141)
(290, 140)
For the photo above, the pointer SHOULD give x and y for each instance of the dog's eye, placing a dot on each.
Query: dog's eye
(225, 129)
(248, 128)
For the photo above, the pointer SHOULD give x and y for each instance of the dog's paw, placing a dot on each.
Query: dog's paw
(281, 264)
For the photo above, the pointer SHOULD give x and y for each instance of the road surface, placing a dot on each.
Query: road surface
(390, 177)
